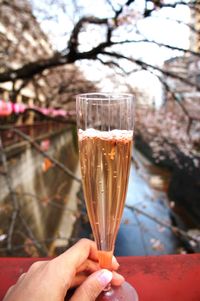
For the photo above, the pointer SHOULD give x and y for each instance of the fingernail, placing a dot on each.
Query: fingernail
(114, 261)
(105, 277)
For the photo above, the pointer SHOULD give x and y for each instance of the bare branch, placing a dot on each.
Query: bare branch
(73, 42)
(146, 66)
(33, 68)
(72, 54)
(158, 44)
(15, 203)
(174, 229)
(38, 245)
(159, 5)
(45, 154)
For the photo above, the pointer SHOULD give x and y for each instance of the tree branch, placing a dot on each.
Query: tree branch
(14, 199)
(146, 66)
(158, 44)
(33, 68)
(174, 229)
(72, 53)
(45, 154)
(73, 42)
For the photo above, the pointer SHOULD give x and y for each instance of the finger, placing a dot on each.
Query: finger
(84, 271)
(93, 266)
(78, 280)
(88, 266)
(37, 265)
(92, 286)
(70, 261)
(21, 277)
(6, 297)
(117, 279)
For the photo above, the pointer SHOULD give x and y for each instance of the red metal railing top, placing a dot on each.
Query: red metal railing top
(156, 278)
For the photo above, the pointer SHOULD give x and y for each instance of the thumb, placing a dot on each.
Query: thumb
(92, 286)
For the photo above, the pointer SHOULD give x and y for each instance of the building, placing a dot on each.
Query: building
(22, 41)
(187, 66)
(195, 28)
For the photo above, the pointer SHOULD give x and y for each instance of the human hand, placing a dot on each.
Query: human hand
(50, 280)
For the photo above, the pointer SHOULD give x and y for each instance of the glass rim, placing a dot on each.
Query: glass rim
(105, 96)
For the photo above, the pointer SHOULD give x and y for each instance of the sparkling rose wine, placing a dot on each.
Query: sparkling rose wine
(105, 163)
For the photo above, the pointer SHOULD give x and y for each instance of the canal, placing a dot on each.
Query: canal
(53, 215)
(146, 204)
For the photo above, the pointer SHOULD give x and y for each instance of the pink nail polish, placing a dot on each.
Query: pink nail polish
(105, 277)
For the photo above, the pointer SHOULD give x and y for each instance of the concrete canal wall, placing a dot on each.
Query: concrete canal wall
(47, 195)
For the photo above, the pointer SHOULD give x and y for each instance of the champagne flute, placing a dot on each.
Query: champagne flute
(105, 133)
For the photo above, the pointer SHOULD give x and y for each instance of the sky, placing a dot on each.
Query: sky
(161, 27)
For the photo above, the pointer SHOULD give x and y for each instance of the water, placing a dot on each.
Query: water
(138, 234)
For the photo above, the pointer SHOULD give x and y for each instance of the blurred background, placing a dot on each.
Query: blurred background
(52, 50)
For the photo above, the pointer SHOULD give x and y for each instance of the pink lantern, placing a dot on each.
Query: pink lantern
(6, 108)
(19, 108)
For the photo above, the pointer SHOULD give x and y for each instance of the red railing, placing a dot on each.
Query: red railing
(156, 278)
(36, 130)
